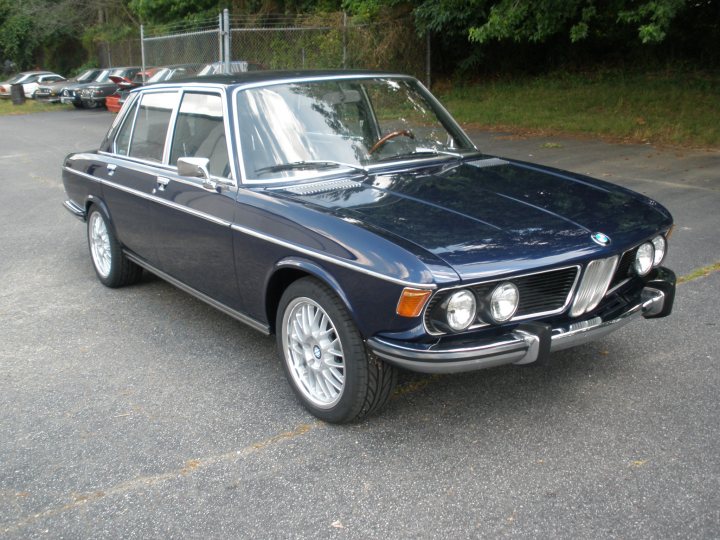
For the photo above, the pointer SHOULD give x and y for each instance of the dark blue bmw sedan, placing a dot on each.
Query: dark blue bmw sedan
(348, 214)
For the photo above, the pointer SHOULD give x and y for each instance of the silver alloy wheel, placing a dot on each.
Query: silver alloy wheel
(313, 352)
(100, 244)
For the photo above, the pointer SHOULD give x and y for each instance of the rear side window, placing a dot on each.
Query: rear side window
(122, 140)
(151, 125)
(200, 132)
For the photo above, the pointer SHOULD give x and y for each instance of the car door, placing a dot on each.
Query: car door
(133, 169)
(192, 224)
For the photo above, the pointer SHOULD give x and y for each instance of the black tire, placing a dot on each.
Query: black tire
(368, 382)
(78, 105)
(112, 267)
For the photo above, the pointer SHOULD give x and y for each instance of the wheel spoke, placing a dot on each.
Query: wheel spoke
(313, 352)
(332, 381)
(335, 348)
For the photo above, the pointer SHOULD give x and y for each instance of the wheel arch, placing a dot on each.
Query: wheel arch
(92, 200)
(289, 270)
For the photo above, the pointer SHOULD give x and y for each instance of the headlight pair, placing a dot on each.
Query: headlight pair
(500, 305)
(650, 254)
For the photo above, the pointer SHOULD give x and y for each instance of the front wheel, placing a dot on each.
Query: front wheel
(111, 265)
(324, 356)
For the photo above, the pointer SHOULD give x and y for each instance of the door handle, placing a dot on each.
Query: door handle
(162, 182)
(111, 168)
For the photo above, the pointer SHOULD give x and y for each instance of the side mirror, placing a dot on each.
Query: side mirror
(194, 167)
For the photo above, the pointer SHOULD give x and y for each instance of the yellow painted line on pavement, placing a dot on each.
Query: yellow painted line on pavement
(78, 500)
(699, 273)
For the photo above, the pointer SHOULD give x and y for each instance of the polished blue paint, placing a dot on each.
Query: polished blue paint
(497, 220)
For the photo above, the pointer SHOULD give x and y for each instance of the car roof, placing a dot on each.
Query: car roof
(255, 77)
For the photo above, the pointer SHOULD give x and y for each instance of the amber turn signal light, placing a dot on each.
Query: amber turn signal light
(412, 302)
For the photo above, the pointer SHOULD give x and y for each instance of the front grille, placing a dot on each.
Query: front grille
(543, 293)
(594, 285)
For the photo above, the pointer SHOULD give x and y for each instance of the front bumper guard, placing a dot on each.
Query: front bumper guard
(526, 344)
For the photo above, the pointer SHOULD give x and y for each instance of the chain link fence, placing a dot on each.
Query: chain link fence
(328, 41)
(119, 53)
(199, 43)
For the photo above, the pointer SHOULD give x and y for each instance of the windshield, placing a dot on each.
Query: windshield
(20, 77)
(103, 76)
(295, 130)
(159, 75)
(86, 75)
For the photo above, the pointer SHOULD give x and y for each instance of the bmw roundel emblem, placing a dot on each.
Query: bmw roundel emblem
(600, 238)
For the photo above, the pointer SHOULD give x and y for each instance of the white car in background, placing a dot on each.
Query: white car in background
(30, 81)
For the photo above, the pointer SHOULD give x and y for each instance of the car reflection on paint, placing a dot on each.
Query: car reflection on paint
(348, 214)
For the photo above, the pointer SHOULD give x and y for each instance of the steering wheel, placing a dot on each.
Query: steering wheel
(391, 135)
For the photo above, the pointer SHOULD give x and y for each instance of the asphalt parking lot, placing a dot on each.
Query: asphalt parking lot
(142, 412)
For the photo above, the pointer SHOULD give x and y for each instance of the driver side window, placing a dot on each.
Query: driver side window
(200, 132)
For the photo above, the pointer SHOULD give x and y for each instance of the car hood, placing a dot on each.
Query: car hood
(102, 86)
(491, 216)
(58, 84)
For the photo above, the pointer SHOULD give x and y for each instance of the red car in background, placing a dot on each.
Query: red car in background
(159, 74)
(113, 102)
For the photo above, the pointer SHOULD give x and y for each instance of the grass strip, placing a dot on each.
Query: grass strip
(30, 106)
(699, 273)
(677, 109)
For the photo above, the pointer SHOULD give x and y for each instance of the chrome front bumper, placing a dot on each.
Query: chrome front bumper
(524, 345)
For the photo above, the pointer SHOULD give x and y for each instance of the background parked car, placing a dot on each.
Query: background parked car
(124, 85)
(71, 94)
(236, 66)
(115, 102)
(29, 81)
(51, 92)
(94, 94)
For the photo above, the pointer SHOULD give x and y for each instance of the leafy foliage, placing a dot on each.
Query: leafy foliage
(465, 33)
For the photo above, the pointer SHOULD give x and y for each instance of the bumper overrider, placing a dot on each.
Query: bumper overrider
(530, 342)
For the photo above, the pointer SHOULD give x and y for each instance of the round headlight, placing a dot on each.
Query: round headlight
(461, 310)
(660, 245)
(504, 302)
(644, 258)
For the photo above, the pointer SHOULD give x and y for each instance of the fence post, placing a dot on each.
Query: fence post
(220, 37)
(142, 51)
(428, 66)
(344, 41)
(226, 39)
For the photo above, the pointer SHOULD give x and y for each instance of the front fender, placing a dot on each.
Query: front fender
(311, 268)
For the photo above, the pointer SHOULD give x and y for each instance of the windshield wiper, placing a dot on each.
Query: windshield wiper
(422, 152)
(309, 165)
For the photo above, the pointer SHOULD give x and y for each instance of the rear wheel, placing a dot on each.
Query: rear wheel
(324, 356)
(112, 267)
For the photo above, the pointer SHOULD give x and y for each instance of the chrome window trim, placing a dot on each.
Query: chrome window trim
(171, 127)
(254, 233)
(132, 112)
(144, 166)
(129, 103)
(570, 295)
(226, 125)
(141, 95)
(181, 89)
